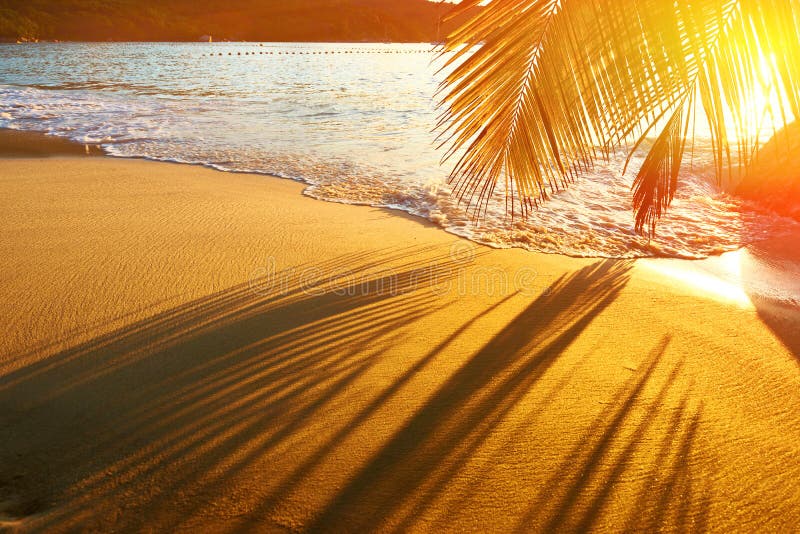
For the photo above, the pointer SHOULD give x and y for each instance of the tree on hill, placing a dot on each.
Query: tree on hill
(253, 20)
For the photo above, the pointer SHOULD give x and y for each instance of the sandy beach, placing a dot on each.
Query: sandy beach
(197, 351)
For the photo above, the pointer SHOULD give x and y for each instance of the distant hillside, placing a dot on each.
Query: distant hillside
(239, 20)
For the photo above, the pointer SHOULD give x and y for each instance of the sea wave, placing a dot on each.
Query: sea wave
(350, 137)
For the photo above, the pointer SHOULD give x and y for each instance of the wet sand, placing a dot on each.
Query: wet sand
(188, 350)
(24, 144)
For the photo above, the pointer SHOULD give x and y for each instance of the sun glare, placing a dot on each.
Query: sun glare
(761, 110)
(718, 278)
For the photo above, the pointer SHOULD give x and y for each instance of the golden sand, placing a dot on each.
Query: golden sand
(187, 350)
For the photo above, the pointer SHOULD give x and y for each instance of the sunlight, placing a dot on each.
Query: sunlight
(760, 103)
(719, 278)
(756, 112)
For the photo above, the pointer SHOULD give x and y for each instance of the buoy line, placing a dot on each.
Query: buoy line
(321, 52)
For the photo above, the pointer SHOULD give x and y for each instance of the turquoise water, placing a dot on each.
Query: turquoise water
(353, 121)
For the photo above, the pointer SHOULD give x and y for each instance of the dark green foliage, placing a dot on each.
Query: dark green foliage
(250, 20)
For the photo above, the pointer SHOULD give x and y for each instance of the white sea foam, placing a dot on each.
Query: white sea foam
(355, 127)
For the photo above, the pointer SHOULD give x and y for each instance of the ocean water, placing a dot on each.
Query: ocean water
(353, 121)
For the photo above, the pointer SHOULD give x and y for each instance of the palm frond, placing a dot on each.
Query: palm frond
(657, 181)
(556, 84)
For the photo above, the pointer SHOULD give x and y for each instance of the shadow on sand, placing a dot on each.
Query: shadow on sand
(776, 264)
(422, 460)
(208, 384)
(143, 427)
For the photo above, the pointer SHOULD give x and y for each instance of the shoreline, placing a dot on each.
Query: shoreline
(763, 257)
(760, 256)
(188, 349)
(28, 143)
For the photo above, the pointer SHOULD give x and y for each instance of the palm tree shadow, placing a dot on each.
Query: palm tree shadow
(783, 321)
(192, 396)
(776, 262)
(574, 496)
(174, 410)
(421, 459)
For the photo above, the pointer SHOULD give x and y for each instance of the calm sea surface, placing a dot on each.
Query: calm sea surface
(352, 121)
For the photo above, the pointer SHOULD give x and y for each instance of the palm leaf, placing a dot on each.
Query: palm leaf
(557, 84)
(657, 180)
